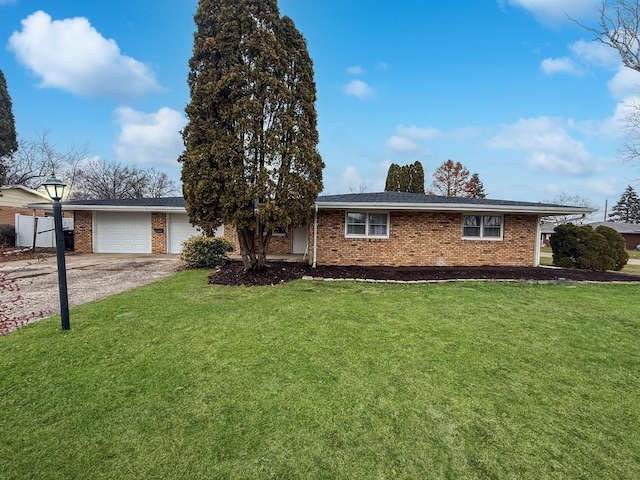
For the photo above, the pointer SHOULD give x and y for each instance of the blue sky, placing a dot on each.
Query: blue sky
(510, 88)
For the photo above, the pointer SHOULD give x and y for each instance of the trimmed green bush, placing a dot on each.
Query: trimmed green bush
(205, 252)
(583, 247)
(617, 246)
(7, 235)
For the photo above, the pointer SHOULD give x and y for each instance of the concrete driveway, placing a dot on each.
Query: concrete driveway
(90, 277)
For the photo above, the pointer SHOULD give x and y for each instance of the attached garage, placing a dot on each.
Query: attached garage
(179, 230)
(122, 232)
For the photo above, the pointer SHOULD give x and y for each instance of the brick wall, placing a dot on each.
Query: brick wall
(159, 232)
(425, 238)
(8, 214)
(83, 231)
(279, 244)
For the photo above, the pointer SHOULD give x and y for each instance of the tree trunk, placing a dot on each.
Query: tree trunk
(247, 247)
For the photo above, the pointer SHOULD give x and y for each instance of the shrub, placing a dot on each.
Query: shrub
(617, 246)
(205, 252)
(583, 247)
(7, 236)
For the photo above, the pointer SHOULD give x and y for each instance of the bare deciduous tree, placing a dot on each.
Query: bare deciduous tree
(36, 160)
(619, 28)
(450, 180)
(98, 178)
(573, 200)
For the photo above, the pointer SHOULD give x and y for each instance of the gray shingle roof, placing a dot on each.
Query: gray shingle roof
(433, 202)
(619, 227)
(417, 198)
(388, 200)
(172, 202)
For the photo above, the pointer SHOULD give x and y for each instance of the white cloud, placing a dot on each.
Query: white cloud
(546, 145)
(554, 10)
(417, 133)
(609, 186)
(72, 55)
(402, 145)
(552, 66)
(625, 83)
(595, 53)
(355, 70)
(408, 137)
(149, 138)
(358, 88)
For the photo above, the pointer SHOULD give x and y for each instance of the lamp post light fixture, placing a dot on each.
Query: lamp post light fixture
(55, 189)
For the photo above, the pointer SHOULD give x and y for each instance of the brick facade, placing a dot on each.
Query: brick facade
(83, 231)
(159, 232)
(8, 214)
(415, 238)
(425, 238)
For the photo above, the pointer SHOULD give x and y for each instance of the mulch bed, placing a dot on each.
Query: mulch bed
(13, 254)
(233, 273)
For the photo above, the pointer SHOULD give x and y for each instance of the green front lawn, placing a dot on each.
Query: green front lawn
(183, 380)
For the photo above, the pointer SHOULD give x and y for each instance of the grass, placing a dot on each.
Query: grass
(310, 380)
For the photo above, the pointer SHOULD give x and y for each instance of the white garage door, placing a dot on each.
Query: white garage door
(180, 230)
(122, 232)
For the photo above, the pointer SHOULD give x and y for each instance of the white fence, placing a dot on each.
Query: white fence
(45, 230)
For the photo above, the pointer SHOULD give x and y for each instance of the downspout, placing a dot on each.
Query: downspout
(315, 237)
(536, 257)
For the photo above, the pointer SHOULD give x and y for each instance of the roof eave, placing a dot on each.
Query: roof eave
(543, 210)
(110, 208)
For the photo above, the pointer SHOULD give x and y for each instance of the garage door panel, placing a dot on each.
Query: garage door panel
(180, 229)
(122, 232)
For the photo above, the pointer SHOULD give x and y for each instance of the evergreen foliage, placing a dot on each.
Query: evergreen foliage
(250, 156)
(475, 187)
(405, 178)
(583, 247)
(8, 139)
(627, 210)
(617, 246)
(394, 175)
(205, 252)
(7, 235)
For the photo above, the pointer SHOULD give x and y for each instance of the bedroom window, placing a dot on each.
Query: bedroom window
(488, 227)
(367, 224)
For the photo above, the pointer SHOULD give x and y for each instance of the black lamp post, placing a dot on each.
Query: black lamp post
(55, 189)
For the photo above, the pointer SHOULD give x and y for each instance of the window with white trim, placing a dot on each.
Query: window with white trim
(367, 224)
(487, 227)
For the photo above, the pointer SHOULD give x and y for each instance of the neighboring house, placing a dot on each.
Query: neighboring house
(388, 228)
(629, 231)
(14, 198)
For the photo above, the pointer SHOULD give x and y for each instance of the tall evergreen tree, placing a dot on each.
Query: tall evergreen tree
(250, 156)
(627, 210)
(394, 175)
(406, 178)
(416, 177)
(475, 187)
(8, 140)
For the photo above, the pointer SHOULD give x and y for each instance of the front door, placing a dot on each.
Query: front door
(300, 240)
